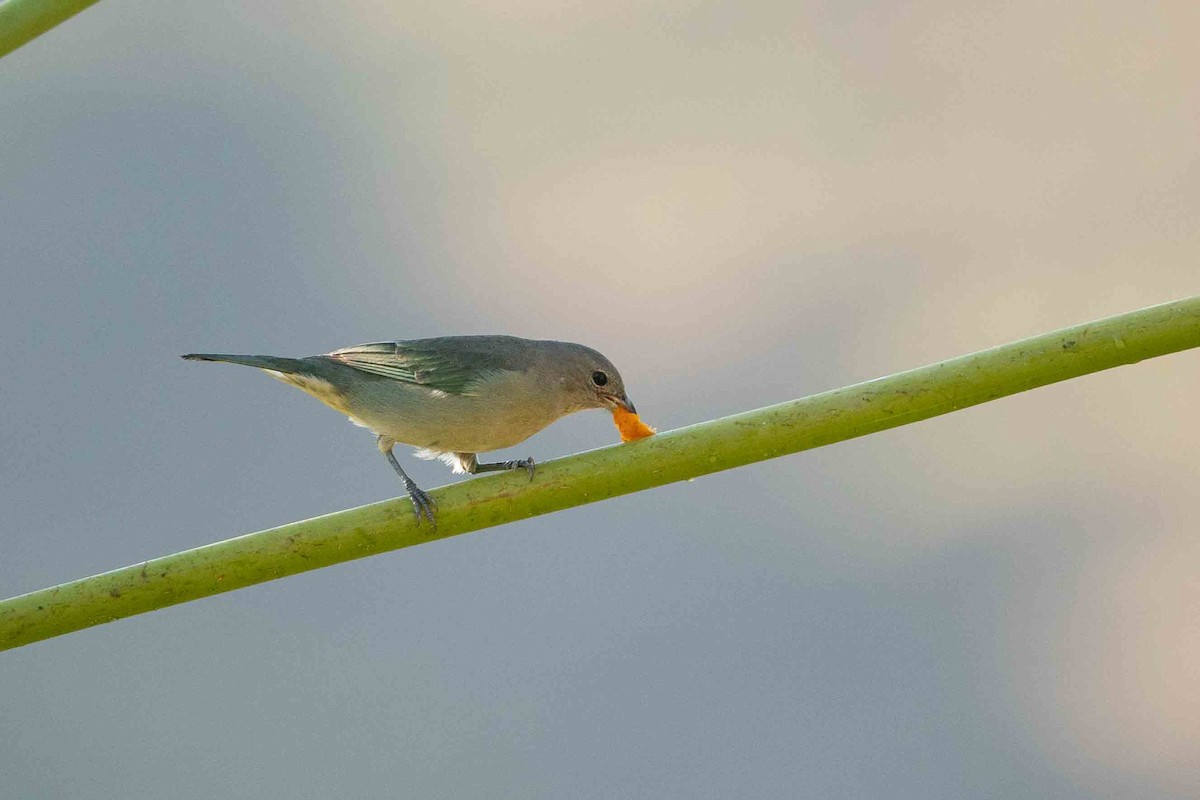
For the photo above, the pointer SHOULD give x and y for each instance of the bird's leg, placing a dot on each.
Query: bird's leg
(472, 465)
(422, 503)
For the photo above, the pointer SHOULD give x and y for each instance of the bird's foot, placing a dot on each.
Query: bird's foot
(423, 504)
(527, 464)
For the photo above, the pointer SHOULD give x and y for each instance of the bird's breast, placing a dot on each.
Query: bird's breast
(495, 415)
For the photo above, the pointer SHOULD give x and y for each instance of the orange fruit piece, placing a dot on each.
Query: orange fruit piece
(630, 425)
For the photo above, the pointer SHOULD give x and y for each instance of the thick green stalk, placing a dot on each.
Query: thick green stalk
(22, 21)
(611, 471)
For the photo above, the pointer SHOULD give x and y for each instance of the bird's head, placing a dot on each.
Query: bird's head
(591, 380)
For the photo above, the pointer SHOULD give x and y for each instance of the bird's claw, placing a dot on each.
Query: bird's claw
(527, 464)
(423, 504)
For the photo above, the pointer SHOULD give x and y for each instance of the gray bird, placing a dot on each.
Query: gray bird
(451, 397)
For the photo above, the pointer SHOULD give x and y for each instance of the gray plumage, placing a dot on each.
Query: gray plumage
(451, 397)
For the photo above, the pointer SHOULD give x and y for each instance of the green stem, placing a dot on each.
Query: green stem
(721, 444)
(22, 21)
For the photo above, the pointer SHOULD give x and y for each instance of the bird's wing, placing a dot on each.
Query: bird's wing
(433, 363)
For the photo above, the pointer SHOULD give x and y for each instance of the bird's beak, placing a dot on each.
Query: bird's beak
(618, 401)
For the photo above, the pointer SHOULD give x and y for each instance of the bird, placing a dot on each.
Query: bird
(451, 397)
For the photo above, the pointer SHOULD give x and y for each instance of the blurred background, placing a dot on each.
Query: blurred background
(739, 203)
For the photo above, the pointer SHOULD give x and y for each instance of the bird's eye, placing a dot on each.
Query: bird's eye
(599, 378)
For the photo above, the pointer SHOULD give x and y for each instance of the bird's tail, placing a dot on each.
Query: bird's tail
(274, 363)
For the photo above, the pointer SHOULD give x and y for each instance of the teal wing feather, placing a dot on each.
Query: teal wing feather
(446, 365)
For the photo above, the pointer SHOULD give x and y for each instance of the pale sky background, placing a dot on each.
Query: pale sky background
(739, 203)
